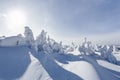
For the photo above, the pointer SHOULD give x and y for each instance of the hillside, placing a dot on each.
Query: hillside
(18, 63)
(21, 63)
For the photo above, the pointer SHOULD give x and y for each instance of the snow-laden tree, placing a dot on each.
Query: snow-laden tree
(110, 57)
(29, 38)
(103, 50)
(74, 45)
(47, 48)
(86, 48)
(82, 49)
(48, 45)
(61, 47)
(107, 54)
(90, 48)
(68, 48)
(41, 40)
(54, 46)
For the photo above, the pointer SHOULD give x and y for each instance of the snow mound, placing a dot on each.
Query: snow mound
(83, 69)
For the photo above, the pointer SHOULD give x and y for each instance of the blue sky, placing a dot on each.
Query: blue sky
(67, 19)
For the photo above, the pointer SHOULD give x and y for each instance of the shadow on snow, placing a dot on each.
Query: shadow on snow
(54, 70)
(13, 62)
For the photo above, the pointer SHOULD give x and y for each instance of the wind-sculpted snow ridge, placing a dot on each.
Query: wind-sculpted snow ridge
(27, 58)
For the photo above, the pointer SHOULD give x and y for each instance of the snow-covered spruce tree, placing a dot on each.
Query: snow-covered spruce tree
(41, 41)
(55, 47)
(47, 45)
(74, 46)
(29, 38)
(61, 47)
(103, 50)
(47, 48)
(82, 49)
(107, 54)
(110, 57)
(86, 48)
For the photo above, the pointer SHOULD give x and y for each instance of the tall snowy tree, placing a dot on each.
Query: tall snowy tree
(86, 48)
(110, 57)
(41, 40)
(29, 38)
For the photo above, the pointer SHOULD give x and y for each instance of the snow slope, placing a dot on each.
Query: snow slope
(18, 63)
(88, 69)
(13, 62)
(22, 63)
(35, 71)
(83, 69)
(76, 67)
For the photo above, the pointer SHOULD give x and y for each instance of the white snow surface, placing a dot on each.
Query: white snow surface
(83, 69)
(35, 71)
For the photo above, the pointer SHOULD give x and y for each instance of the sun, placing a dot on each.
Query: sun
(16, 18)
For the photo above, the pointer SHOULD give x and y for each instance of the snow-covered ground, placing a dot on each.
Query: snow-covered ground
(18, 63)
(21, 63)
(35, 71)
